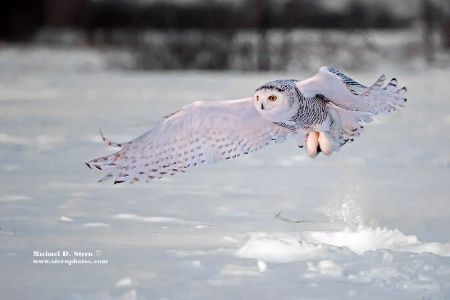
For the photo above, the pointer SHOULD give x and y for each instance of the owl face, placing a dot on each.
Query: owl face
(275, 100)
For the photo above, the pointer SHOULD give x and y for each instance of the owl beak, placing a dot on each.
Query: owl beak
(262, 106)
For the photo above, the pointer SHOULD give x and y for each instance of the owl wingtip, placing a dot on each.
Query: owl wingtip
(87, 164)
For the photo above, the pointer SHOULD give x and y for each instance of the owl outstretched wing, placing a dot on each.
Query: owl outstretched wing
(348, 94)
(201, 132)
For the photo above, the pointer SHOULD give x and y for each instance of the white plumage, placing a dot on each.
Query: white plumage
(322, 113)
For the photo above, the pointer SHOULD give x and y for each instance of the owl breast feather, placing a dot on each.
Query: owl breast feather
(311, 111)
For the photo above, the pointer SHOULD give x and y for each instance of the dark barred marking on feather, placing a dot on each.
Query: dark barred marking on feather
(279, 85)
(311, 111)
(347, 80)
(288, 126)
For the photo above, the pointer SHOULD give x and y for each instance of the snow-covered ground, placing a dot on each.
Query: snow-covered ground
(371, 222)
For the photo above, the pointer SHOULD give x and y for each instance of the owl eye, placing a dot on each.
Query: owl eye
(272, 98)
(257, 98)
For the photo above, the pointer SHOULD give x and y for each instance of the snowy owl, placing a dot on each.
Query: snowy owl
(322, 113)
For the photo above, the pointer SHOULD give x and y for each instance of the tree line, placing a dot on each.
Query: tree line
(20, 19)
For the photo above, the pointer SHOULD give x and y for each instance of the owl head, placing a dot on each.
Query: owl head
(276, 101)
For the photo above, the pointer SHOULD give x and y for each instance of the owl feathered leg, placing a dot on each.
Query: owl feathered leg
(309, 139)
(328, 142)
(312, 144)
(316, 142)
(325, 137)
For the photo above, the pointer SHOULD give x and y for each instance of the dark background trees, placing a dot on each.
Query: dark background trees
(19, 19)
